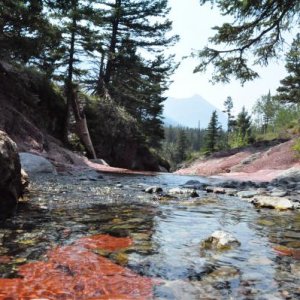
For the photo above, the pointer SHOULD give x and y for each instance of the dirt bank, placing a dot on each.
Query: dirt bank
(261, 163)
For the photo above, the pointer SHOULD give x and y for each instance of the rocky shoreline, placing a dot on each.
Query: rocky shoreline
(281, 193)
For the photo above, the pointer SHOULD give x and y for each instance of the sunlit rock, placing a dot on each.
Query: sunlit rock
(273, 202)
(220, 240)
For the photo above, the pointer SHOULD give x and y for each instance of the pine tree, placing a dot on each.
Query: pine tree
(181, 146)
(266, 108)
(25, 31)
(289, 91)
(243, 128)
(136, 83)
(79, 40)
(228, 104)
(212, 134)
(256, 28)
(144, 23)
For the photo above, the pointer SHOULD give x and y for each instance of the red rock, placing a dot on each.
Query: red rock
(74, 272)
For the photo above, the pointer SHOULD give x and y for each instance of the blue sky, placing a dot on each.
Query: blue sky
(193, 23)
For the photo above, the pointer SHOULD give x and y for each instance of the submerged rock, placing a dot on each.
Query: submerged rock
(11, 187)
(32, 164)
(273, 202)
(222, 273)
(220, 240)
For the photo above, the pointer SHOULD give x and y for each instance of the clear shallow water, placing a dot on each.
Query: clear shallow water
(166, 234)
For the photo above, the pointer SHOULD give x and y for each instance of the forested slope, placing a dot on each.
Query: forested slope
(91, 73)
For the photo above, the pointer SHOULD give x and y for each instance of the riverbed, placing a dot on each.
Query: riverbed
(152, 242)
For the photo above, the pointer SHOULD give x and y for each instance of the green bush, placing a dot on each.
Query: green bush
(296, 147)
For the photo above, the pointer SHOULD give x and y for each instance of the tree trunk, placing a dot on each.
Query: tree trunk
(113, 42)
(82, 129)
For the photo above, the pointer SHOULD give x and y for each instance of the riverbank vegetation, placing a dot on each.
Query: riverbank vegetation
(272, 117)
(93, 74)
(105, 59)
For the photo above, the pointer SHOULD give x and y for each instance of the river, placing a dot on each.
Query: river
(153, 243)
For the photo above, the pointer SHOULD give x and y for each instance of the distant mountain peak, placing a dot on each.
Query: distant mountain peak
(190, 111)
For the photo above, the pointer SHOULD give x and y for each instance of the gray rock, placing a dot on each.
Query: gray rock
(247, 194)
(292, 174)
(11, 187)
(220, 240)
(278, 193)
(193, 184)
(194, 194)
(33, 164)
(153, 189)
(230, 192)
(24, 180)
(273, 202)
(181, 191)
(215, 189)
(162, 169)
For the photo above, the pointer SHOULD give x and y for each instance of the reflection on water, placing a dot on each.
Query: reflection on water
(166, 237)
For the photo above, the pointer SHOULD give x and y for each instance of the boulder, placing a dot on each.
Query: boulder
(193, 184)
(33, 164)
(292, 174)
(153, 189)
(11, 187)
(220, 240)
(279, 203)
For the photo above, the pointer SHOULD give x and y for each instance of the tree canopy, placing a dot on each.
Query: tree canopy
(256, 28)
(289, 90)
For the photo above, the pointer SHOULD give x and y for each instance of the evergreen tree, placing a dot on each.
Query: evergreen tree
(212, 134)
(181, 146)
(256, 28)
(243, 128)
(228, 104)
(137, 84)
(25, 31)
(289, 91)
(79, 40)
(144, 23)
(266, 108)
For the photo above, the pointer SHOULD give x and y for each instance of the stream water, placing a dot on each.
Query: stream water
(165, 237)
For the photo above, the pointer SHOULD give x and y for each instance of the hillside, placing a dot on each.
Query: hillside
(262, 162)
(32, 113)
(190, 111)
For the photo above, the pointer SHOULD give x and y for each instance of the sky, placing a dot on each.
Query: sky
(193, 24)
